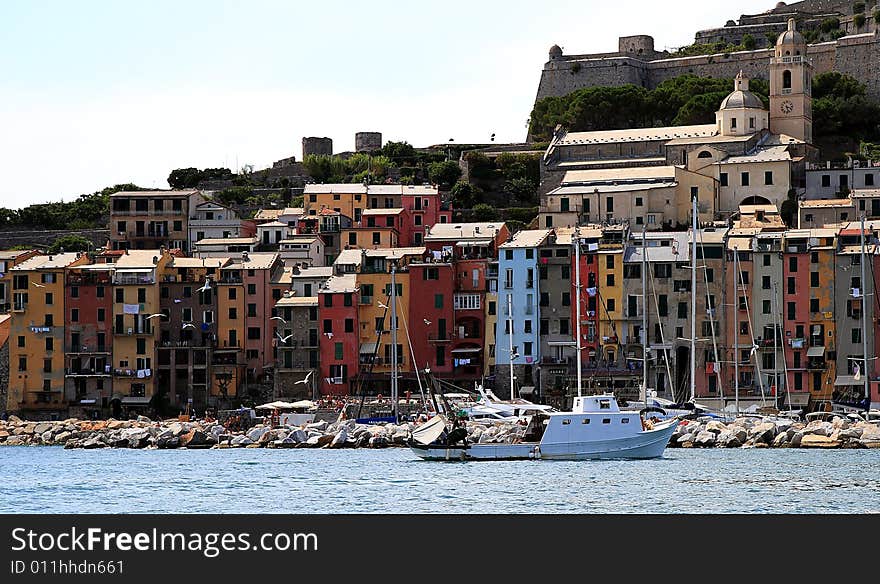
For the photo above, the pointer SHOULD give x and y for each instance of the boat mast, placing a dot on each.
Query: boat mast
(510, 340)
(693, 291)
(577, 294)
(864, 307)
(644, 339)
(735, 306)
(394, 340)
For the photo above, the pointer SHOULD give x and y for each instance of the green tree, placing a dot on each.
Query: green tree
(483, 212)
(444, 174)
(399, 151)
(70, 243)
(749, 42)
(184, 178)
(521, 191)
(462, 195)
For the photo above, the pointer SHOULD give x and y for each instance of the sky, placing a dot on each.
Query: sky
(95, 93)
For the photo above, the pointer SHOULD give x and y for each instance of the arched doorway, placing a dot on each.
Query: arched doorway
(756, 200)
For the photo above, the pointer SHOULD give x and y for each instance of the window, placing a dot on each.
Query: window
(733, 123)
(328, 326)
(427, 274)
(544, 299)
(141, 346)
(566, 298)
(102, 315)
(609, 280)
(438, 300)
(74, 291)
(178, 226)
(187, 314)
(50, 298)
(187, 292)
(508, 278)
(252, 310)
(508, 254)
(723, 179)
(233, 314)
(814, 279)
(527, 349)
(347, 301)
(609, 204)
(790, 283)
(682, 310)
(99, 291)
(765, 307)
(639, 201)
(22, 363)
(856, 335)
(527, 327)
(744, 179)
(252, 289)
(791, 310)
(349, 325)
(610, 305)
(492, 307)
(441, 356)
(47, 365)
(768, 177)
(792, 264)
(50, 344)
(744, 278)
(328, 300)
(563, 326)
(337, 351)
(826, 180)
(609, 262)
(814, 305)
(662, 305)
(752, 123)
(530, 254)
(663, 271)
(786, 79)
(21, 342)
(253, 333)
(142, 295)
(814, 257)
(48, 320)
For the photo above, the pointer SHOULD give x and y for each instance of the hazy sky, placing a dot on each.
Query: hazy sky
(94, 93)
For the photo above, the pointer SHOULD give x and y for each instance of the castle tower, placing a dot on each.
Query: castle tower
(791, 73)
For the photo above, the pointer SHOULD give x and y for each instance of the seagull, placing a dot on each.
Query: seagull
(304, 381)
(284, 339)
(278, 318)
(382, 305)
(37, 285)
(206, 287)
(427, 322)
(188, 325)
(157, 315)
(328, 335)
(427, 370)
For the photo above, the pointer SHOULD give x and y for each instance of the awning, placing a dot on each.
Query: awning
(85, 402)
(562, 343)
(476, 242)
(848, 380)
(527, 390)
(368, 348)
(136, 401)
(816, 352)
(466, 351)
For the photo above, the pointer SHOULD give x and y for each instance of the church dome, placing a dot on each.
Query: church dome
(790, 37)
(555, 52)
(740, 99)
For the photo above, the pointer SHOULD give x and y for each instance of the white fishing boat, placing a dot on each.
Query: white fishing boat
(596, 428)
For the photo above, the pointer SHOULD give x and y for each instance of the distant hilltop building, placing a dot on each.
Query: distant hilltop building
(638, 62)
(367, 141)
(317, 146)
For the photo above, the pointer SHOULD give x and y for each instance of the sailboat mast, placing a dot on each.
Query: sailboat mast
(693, 291)
(864, 371)
(394, 341)
(644, 339)
(735, 306)
(577, 295)
(510, 341)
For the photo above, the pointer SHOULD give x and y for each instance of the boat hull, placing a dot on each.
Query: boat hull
(645, 444)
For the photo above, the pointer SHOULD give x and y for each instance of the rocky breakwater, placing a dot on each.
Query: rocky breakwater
(776, 433)
(170, 434)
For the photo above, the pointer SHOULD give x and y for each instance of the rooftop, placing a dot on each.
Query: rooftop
(636, 135)
(181, 262)
(346, 283)
(359, 189)
(297, 301)
(393, 211)
(48, 262)
(609, 175)
(764, 154)
(12, 254)
(675, 250)
(822, 203)
(355, 256)
(462, 231)
(527, 238)
(268, 214)
(139, 258)
(254, 261)
(163, 194)
(228, 241)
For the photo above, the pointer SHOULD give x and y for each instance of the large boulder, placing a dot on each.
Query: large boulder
(144, 420)
(339, 441)
(763, 433)
(715, 427)
(319, 426)
(298, 436)
(780, 440)
(685, 438)
(256, 433)
(42, 428)
(705, 439)
(818, 441)
(93, 441)
(195, 438)
(168, 442)
(13, 420)
(242, 441)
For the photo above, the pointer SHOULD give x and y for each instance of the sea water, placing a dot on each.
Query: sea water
(54, 480)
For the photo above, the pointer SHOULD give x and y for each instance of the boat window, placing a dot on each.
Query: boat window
(604, 404)
(606, 420)
(585, 421)
(624, 421)
(566, 422)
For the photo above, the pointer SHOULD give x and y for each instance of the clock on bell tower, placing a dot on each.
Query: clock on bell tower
(791, 73)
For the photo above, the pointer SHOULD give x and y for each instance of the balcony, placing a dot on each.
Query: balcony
(133, 373)
(86, 372)
(438, 338)
(134, 280)
(85, 349)
(132, 332)
(19, 307)
(231, 279)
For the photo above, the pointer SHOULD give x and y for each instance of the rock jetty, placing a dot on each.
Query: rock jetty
(169, 434)
(775, 433)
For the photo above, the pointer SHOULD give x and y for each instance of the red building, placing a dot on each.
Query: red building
(421, 211)
(338, 340)
(795, 314)
(431, 317)
(589, 325)
(88, 306)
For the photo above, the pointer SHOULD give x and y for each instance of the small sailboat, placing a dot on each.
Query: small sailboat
(595, 428)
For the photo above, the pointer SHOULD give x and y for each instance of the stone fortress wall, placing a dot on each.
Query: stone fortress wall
(638, 62)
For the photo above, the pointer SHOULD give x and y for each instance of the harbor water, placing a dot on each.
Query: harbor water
(54, 480)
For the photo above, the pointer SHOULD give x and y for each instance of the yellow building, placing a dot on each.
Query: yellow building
(135, 335)
(36, 344)
(610, 293)
(370, 238)
(8, 260)
(228, 364)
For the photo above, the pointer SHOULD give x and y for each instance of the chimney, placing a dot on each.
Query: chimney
(155, 260)
(245, 257)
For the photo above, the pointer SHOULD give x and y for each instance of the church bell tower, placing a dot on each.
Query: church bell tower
(791, 73)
